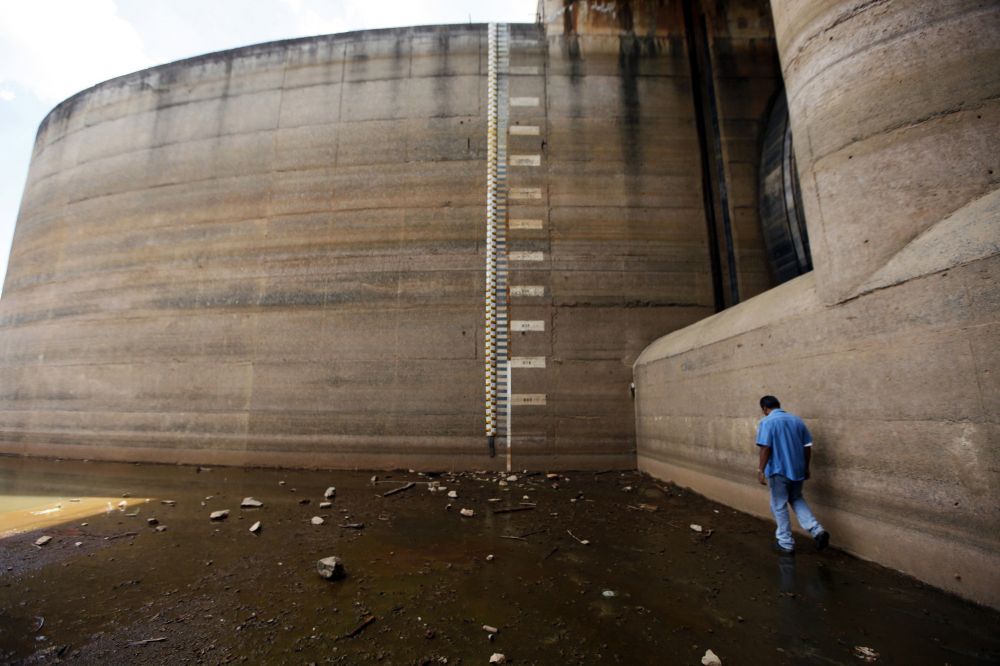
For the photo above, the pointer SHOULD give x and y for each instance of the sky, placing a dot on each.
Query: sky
(52, 49)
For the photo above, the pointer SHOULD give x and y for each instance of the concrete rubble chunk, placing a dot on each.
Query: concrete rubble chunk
(512, 478)
(42, 540)
(161, 528)
(152, 521)
(490, 629)
(711, 659)
(498, 658)
(696, 528)
(330, 493)
(251, 503)
(219, 515)
(468, 513)
(330, 568)
(168, 502)
(78, 544)
(325, 505)
(453, 494)
(255, 528)
(316, 520)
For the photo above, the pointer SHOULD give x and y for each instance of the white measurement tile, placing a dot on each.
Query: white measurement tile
(525, 223)
(528, 290)
(527, 361)
(525, 160)
(524, 70)
(525, 193)
(527, 256)
(524, 130)
(522, 325)
(527, 399)
(524, 101)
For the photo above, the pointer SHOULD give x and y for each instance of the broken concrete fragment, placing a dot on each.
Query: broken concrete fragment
(255, 528)
(468, 513)
(168, 502)
(41, 541)
(325, 505)
(78, 544)
(453, 494)
(551, 476)
(609, 594)
(711, 659)
(251, 503)
(490, 630)
(498, 658)
(696, 528)
(152, 521)
(330, 493)
(316, 520)
(330, 568)
(219, 515)
(512, 478)
(490, 557)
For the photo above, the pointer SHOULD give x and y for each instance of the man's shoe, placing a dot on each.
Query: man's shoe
(822, 540)
(777, 547)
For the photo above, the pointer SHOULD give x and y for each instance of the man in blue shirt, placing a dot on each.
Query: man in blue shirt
(785, 449)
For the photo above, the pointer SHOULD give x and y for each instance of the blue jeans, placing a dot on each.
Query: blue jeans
(783, 493)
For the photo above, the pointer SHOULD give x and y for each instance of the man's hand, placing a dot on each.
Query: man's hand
(761, 479)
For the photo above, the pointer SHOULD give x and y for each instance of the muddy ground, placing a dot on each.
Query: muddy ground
(644, 589)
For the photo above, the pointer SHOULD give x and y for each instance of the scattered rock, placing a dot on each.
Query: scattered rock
(255, 528)
(490, 557)
(696, 528)
(453, 494)
(512, 478)
(711, 659)
(152, 521)
(161, 528)
(219, 515)
(468, 513)
(374, 480)
(281, 483)
(498, 658)
(168, 502)
(78, 544)
(353, 526)
(316, 520)
(552, 476)
(490, 630)
(330, 568)
(325, 505)
(330, 493)
(609, 593)
(41, 541)
(865, 654)
(84, 524)
(652, 508)
(250, 503)
(122, 504)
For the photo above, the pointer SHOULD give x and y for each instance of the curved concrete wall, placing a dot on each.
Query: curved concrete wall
(275, 255)
(889, 349)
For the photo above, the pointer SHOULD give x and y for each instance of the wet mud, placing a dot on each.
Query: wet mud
(584, 569)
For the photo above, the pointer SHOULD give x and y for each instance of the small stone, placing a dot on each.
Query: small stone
(255, 528)
(122, 504)
(609, 594)
(696, 528)
(711, 659)
(251, 503)
(316, 520)
(330, 567)
(468, 513)
(219, 515)
(152, 521)
(304, 500)
(552, 476)
(325, 505)
(168, 502)
(498, 658)
(502, 483)
(330, 493)
(866, 654)
(374, 480)
(281, 483)
(453, 494)
(78, 544)
(490, 630)
(512, 478)
(161, 528)
(41, 541)
(490, 557)
(627, 489)
(84, 524)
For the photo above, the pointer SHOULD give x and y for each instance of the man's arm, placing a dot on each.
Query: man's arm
(765, 455)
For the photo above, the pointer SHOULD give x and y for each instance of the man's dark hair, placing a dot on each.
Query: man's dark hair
(769, 402)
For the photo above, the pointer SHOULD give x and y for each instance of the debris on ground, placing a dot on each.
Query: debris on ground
(152, 522)
(711, 659)
(582, 542)
(498, 658)
(490, 629)
(609, 594)
(552, 476)
(330, 568)
(255, 528)
(330, 493)
(168, 502)
(316, 520)
(452, 494)
(146, 641)
(325, 505)
(251, 503)
(304, 501)
(696, 528)
(219, 515)
(490, 557)
(403, 487)
(161, 528)
(361, 627)
(353, 526)
(42, 540)
(866, 654)
(468, 513)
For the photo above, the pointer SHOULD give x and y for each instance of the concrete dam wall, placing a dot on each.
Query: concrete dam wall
(277, 255)
(889, 348)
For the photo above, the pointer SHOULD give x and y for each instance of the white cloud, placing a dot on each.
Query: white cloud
(7, 95)
(55, 48)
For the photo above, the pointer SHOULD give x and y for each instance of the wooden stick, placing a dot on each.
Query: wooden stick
(147, 640)
(119, 536)
(407, 486)
(361, 627)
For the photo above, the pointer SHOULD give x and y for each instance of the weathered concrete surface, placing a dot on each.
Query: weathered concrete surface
(889, 348)
(275, 255)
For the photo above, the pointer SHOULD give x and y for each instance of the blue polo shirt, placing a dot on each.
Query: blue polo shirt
(788, 438)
